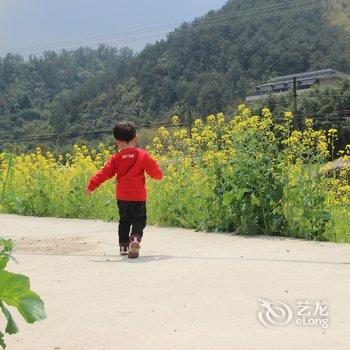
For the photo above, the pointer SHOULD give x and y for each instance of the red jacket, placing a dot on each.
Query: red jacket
(129, 167)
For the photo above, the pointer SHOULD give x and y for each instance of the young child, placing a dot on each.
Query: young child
(128, 166)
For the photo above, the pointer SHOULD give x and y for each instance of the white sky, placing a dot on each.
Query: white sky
(30, 23)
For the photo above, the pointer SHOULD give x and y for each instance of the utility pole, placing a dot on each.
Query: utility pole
(295, 102)
(189, 121)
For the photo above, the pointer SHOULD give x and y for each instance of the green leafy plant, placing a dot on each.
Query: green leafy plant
(15, 291)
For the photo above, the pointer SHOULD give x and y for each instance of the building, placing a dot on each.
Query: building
(304, 81)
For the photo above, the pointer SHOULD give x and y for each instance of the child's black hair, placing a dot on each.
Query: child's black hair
(124, 131)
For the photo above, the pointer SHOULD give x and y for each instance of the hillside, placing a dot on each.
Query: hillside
(339, 14)
(209, 65)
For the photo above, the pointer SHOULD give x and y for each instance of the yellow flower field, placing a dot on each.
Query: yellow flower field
(246, 174)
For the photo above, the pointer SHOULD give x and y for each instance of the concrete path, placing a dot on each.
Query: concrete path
(189, 290)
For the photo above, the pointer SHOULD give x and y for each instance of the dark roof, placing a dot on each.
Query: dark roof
(304, 79)
(323, 73)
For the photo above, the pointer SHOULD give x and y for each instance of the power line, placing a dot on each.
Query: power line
(319, 117)
(168, 26)
(228, 21)
(76, 135)
(225, 22)
(222, 20)
(200, 27)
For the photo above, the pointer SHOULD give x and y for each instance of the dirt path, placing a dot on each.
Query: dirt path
(190, 290)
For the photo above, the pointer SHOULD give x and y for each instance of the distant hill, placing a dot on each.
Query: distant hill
(208, 65)
(339, 14)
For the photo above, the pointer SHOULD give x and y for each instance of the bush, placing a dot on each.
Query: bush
(250, 175)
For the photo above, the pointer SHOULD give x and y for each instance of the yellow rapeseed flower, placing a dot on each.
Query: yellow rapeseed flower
(211, 119)
(309, 122)
(198, 123)
(164, 132)
(176, 120)
(288, 116)
(266, 113)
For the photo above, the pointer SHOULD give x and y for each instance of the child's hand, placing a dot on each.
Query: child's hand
(88, 192)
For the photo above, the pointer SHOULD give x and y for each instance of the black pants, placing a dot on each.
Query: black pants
(133, 216)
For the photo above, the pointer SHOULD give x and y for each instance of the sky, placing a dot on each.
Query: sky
(29, 26)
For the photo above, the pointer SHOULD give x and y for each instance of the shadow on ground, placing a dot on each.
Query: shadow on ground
(140, 260)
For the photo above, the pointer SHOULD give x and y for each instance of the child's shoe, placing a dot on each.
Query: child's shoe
(124, 249)
(134, 247)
